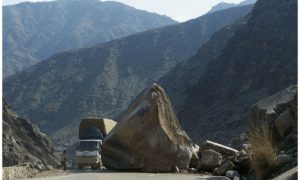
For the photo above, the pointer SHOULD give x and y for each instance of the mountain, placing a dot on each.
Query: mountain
(103, 79)
(188, 73)
(224, 5)
(24, 143)
(35, 31)
(216, 90)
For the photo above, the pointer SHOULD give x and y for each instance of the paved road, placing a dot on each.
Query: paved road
(87, 175)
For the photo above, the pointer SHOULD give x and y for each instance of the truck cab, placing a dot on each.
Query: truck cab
(88, 153)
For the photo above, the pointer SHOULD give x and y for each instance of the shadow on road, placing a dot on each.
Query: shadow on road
(88, 170)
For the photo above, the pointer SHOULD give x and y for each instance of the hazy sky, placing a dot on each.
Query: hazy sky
(179, 10)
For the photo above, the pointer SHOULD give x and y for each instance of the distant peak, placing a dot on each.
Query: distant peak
(224, 5)
(86, 1)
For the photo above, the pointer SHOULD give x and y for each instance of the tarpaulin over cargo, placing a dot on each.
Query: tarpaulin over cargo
(95, 128)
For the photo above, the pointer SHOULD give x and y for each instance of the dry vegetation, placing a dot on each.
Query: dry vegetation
(263, 151)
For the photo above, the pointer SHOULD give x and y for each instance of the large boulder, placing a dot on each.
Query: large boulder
(279, 111)
(272, 107)
(149, 137)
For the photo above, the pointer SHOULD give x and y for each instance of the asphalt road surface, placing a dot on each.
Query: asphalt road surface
(88, 174)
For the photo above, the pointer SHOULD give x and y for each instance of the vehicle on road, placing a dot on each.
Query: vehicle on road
(92, 131)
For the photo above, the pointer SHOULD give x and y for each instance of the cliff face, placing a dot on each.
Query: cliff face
(257, 61)
(24, 143)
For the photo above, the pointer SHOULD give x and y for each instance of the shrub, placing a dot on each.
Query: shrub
(262, 152)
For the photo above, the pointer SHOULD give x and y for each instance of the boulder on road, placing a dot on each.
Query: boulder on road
(149, 137)
(209, 160)
(225, 151)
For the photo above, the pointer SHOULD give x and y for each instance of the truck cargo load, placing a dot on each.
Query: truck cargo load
(90, 128)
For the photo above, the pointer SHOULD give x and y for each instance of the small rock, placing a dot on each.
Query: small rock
(209, 160)
(246, 147)
(233, 175)
(284, 123)
(49, 167)
(176, 169)
(195, 157)
(39, 166)
(228, 165)
(243, 163)
(284, 159)
(192, 170)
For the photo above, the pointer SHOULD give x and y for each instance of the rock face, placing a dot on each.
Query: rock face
(24, 143)
(278, 114)
(280, 111)
(148, 137)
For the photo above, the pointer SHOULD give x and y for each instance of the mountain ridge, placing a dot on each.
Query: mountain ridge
(35, 31)
(225, 5)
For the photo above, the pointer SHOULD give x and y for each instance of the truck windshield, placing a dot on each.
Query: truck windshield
(87, 145)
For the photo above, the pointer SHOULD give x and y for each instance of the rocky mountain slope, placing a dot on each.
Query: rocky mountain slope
(103, 79)
(188, 73)
(35, 31)
(257, 61)
(273, 135)
(24, 143)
